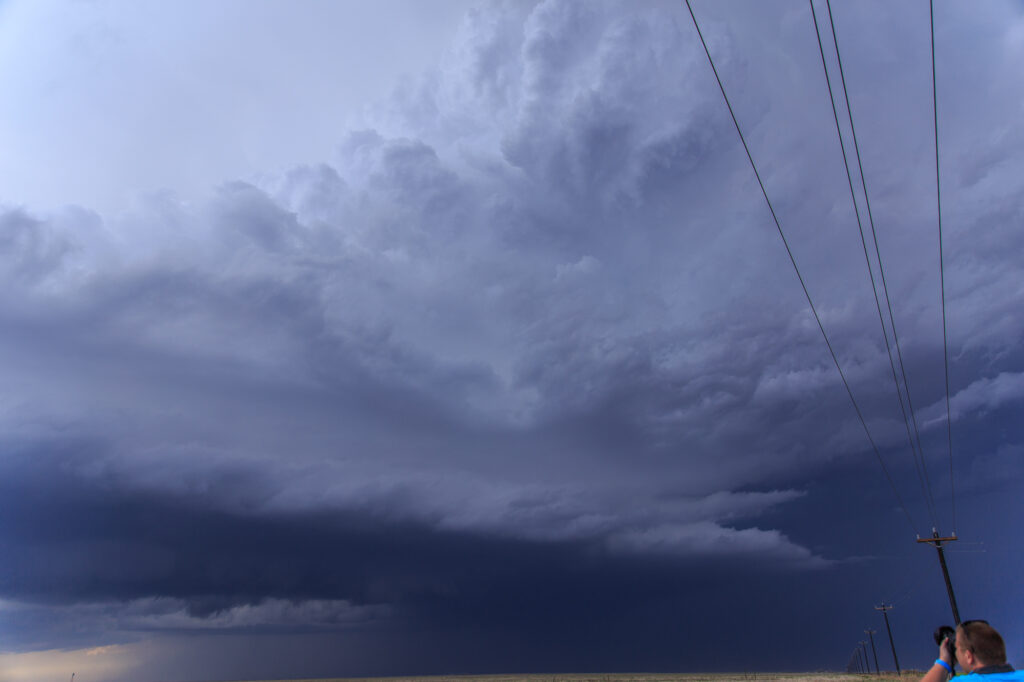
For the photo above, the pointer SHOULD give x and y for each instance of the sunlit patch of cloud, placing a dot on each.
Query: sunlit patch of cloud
(94, 663)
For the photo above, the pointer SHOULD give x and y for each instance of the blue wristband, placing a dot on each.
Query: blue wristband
(947, 666)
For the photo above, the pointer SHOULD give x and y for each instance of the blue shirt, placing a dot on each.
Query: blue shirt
(998, 673)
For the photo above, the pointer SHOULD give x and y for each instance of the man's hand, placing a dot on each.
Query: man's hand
(946, 652)
(942, 669)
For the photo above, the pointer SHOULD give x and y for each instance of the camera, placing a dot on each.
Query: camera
(944, 632)
(944, 635)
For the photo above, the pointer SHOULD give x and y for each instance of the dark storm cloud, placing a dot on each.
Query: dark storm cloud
(357, 294)
(357, 284)
(529, 337)
(88, 563)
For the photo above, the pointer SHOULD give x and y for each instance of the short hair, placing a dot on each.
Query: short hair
(983, 641)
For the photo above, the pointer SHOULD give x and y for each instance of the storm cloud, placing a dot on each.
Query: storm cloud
(525, 335)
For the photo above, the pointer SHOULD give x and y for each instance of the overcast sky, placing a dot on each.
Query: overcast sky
(394, 338)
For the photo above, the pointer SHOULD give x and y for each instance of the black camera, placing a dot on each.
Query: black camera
(944, 633)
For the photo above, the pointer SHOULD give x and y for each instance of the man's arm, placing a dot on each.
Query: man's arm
(937, 673)
(942, 669)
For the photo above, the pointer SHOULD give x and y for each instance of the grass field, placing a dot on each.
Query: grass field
(910, 675)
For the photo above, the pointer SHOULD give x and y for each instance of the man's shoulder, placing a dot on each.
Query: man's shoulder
(1008, 676)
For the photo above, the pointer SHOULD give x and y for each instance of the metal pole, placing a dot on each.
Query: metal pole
(874, 652)
(937, 541)
(883, 608)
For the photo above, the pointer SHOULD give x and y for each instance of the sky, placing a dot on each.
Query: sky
(364, 339)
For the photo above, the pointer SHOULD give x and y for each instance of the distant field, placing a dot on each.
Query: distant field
(633, 677)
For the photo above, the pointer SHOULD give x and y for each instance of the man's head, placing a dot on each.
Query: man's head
(978, 645)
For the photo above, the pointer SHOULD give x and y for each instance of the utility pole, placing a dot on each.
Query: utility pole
(874, 652)
(884, 608)
(851, 665)
(867, 664)
(860, 661)
(937, 542)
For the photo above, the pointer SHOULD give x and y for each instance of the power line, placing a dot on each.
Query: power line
(918, 454)
(863, 241)
(926, 485)
(905, 594)
(792, 260)
(942, 275)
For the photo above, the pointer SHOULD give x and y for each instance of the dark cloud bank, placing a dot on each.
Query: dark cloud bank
(521, 379)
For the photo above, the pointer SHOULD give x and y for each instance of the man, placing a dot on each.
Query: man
(979, 650)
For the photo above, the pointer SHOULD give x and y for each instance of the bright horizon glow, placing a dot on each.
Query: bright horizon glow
(94, 664)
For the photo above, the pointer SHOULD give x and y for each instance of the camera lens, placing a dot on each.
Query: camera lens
(944, 632)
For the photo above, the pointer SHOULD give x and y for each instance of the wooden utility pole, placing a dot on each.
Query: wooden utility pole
(937, 542)
(867, 663)
(854, 662)
(874, 652)
(884, 608)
